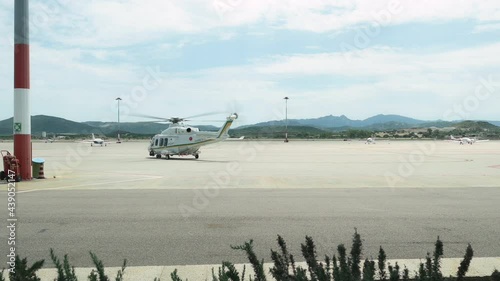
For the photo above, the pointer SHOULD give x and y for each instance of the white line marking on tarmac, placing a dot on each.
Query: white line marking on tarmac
(112, 173)
(90, 184)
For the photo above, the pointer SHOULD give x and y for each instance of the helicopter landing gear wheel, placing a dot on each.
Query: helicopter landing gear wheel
(158, 156)
(196, 156)
(167, 156)
(151, 153)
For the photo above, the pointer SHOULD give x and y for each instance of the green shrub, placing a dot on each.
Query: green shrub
(356, 251)
(495, 276)
(65, 272)
(284, 264)
(381, 264)
(258, 266)
(368, 270)
(228, 273)
(464, 265)
(340, 267)
(393, 272)
(23, 272)
(98, 274)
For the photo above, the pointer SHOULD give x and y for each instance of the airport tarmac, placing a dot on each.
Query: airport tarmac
(271, 164)
(121, 203)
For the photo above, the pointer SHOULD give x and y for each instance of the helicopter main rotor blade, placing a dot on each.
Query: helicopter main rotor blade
(205, 114)
(151, 117)
(176, 119)
(208, 120)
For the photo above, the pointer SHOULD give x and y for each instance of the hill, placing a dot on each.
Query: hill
(277, 132)
(56, 125)
(476, 125)
(330, 122)
(49, 124)
(378, 122)
(301, 128)
(396, 119)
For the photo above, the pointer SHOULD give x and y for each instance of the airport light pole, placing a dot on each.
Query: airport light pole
(286, 119)
(118, 99)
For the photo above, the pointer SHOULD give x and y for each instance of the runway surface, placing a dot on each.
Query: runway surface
(120, 203)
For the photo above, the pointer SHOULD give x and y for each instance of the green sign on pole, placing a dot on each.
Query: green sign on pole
(17, 127)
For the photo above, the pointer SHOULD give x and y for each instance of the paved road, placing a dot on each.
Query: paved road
(148, 228)
(120, 204)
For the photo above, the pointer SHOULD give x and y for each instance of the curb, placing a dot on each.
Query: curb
(479, 267)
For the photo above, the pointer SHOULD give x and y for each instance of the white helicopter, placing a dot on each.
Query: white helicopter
(180, 139)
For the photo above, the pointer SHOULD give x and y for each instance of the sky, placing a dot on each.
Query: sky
(423, 59)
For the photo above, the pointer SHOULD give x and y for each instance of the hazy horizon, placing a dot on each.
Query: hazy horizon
(238, 124)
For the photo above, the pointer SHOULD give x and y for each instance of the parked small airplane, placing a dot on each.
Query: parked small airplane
(466, 140)
(370, 141)
(97, 141)
(54, 139)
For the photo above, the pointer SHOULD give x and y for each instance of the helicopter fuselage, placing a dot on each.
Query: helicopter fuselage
(180, 139)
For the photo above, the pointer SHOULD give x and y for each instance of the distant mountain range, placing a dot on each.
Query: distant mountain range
(378, 122)
(43, 123)
(56, 125)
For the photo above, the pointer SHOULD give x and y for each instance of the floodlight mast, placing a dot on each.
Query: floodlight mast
(118, 138)
(286, 118)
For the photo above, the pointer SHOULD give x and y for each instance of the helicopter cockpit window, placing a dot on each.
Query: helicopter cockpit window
(161, 142)
(156, 142)
(166, 141)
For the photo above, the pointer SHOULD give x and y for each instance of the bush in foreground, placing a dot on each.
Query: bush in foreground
(342, 266)
(495, 276)
(65, 272)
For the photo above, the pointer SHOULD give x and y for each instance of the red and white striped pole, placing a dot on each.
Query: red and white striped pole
(22, 105)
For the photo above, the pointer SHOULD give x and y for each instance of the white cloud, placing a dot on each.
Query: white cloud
(332, 15)
(418, 85)
(80, 59)
(398, 80)
(122, 23)
(382, 62)
(487, 27)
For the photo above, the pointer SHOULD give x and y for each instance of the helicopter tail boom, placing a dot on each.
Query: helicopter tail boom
(225, 128)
